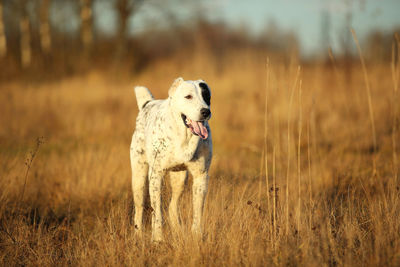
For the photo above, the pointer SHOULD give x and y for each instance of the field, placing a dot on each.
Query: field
(305, 167)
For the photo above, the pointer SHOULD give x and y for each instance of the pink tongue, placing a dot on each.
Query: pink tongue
(199, 129)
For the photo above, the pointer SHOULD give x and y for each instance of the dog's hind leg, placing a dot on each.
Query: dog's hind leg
(139, 176)
(177, 181)
(155, 180)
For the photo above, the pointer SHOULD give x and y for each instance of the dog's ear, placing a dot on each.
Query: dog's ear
(205, 91)
(175, 85)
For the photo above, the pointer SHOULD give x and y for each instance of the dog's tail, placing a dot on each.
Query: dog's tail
(143, 96)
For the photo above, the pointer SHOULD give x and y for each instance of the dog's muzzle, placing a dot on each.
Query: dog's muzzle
(196, 127)
(205, 113)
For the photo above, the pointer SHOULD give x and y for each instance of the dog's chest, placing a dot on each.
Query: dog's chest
(168, 141)
(171, 150)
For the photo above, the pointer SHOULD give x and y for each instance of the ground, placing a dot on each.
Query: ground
(331, 196)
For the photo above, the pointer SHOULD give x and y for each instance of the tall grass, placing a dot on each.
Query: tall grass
(368, 90)
(395, 67)
(260, 210)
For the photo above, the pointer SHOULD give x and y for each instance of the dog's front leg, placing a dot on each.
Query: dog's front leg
(200, 180)
(177, 180)
(155, 179)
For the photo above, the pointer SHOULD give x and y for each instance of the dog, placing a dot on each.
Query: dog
(172, 135)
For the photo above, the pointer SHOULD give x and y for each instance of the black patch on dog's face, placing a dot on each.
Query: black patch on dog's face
(205, 93)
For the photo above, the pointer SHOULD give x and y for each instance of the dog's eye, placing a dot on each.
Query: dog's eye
(189, 97)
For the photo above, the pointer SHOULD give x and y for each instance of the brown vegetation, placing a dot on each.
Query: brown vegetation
(298, 176)
(305, 168)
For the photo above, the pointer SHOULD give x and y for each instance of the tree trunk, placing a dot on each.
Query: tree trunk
(124, 12)
(3, 44)
(24, 26)
(86, 26)
(44, 27)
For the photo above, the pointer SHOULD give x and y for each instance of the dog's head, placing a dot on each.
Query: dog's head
(191, 99)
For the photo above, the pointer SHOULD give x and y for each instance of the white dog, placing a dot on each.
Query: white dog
(172, 135)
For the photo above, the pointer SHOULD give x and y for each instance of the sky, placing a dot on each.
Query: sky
(303, 17)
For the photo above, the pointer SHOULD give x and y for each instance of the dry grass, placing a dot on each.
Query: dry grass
(324, 203)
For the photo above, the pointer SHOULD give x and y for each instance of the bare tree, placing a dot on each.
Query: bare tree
(3, 44)
(125, 8)
(44, 26)
(86, 23)
(24, 28)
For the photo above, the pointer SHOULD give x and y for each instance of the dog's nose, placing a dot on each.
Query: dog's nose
(205, 112)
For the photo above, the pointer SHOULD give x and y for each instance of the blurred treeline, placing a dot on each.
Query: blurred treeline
(54, 38)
